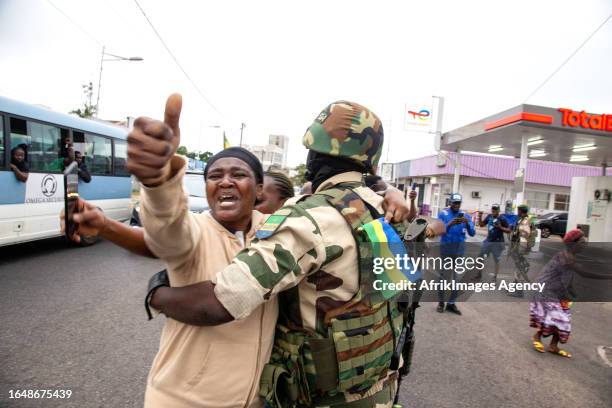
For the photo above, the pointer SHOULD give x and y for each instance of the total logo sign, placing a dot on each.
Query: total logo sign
(422, 115)
(585, 120)
(417, 117)
(44, 188)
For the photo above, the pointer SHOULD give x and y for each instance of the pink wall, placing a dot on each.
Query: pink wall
(503, 168)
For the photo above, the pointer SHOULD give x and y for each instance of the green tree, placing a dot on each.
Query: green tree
(299, 179)
(204, 156)
(89, 110)
(182, 150)
(191, 155)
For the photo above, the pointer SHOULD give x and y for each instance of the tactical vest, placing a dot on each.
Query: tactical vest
(310, 369)
(515, 236)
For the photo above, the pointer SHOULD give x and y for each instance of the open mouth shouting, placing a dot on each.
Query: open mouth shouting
(228, 200)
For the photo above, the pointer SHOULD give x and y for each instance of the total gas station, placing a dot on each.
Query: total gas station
(550, 134)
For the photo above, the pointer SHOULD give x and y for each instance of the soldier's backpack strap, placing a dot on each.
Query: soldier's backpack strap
(356, 212)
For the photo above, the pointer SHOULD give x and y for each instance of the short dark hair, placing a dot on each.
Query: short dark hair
(18, 147)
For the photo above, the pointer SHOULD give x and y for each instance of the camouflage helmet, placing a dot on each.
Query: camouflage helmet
(346, 129)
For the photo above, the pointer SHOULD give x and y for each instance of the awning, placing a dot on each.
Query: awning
(558, 135)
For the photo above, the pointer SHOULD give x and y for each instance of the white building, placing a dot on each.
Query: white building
(274, 154)
(281, 141)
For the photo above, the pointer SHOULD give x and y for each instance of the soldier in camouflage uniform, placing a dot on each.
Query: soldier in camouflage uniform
(332, 345)
(521, 241)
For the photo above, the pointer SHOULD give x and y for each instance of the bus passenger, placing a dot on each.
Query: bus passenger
(19, 164)
(65, 155)
(83, 171)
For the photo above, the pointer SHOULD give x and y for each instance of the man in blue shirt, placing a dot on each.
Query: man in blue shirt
(452, 244)
(497, 225)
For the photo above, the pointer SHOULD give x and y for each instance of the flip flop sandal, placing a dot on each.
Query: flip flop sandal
(538, 346)
(561, 353)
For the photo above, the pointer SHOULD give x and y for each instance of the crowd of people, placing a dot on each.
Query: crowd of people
(549, 310)
(270, 307)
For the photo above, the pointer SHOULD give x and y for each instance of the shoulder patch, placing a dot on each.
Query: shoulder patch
(272, 223)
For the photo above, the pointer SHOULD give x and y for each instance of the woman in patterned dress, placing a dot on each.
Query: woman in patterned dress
(550, 310)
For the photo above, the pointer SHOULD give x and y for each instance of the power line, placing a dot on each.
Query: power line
(110, 6)
(74, 23)
(176, 60)
(569, 58)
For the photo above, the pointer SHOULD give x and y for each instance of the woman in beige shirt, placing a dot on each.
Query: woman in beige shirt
(200, 366)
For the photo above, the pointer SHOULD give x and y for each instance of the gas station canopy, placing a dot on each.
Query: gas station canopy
(559, 135)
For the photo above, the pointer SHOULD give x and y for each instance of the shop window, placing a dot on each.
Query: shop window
(96, 150)
(121, 158)
(537, 199)
(562, 202)
(44, 144)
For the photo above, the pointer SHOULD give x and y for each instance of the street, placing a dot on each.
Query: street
(73, 319)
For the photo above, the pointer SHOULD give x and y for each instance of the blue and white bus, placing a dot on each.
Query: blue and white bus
(30, 210)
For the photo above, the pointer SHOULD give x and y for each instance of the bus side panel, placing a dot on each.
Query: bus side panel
(12, 208)
(105, 187)
(111, 194)
(43, 219)
(115, 191)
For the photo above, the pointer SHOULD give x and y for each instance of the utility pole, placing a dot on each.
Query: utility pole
(242, 126)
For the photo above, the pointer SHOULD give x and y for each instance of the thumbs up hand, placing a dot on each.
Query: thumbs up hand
(152, 143)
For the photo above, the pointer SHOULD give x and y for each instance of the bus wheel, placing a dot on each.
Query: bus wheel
(88, 240)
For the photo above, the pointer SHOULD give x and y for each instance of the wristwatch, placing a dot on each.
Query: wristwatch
(157, 281)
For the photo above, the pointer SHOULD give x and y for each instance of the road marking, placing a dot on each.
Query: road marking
(601, 350)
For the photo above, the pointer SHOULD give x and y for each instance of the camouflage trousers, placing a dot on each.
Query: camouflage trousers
(521, 264)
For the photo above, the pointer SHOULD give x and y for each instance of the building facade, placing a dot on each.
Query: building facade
(486, 180)
(281, 141)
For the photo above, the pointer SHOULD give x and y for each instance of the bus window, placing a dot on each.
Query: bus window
(1, 141)
(121, 158)
(96, 151)
(43, 144)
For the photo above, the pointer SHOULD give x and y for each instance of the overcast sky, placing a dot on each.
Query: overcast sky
(275, 64)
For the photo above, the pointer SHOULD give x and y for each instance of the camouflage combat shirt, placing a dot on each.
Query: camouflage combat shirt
(310, 261)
